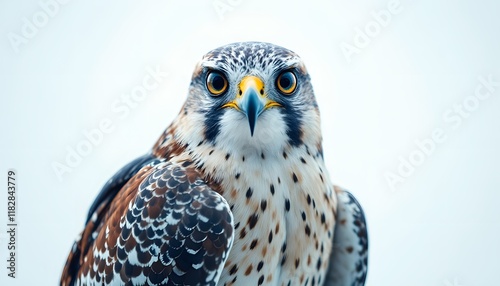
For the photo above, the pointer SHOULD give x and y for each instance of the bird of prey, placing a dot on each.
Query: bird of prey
(234, 192)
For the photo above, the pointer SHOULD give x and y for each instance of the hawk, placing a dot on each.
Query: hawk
(234, 192)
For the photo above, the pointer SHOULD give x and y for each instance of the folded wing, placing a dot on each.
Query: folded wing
(166, 226)
(349, 258)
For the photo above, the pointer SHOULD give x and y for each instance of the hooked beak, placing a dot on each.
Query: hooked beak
(251, 100)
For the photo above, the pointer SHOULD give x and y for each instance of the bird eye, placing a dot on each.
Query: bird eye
(216, 83)
(286, 82)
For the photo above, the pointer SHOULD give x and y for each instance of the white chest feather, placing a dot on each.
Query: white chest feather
(281, 197)
(283, 205)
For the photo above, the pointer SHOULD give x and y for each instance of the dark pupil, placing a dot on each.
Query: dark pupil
(285, 82)
(217, 82)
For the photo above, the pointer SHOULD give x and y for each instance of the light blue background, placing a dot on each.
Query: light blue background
(439, 227)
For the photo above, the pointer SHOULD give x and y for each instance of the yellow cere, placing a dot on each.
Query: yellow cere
(250, 81)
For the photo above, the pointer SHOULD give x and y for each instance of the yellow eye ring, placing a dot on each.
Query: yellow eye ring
(216, 83)
(286, 82)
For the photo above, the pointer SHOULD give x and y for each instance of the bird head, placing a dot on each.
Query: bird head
(250, 95)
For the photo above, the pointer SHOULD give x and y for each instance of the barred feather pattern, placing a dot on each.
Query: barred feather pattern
(175, 230)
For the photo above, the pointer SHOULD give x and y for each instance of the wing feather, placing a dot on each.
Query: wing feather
(349, 258)
(97, 212)
(165, 227)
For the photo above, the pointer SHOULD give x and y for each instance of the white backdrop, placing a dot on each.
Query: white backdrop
(410, 127)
